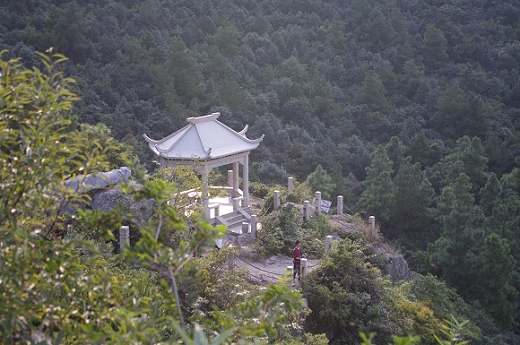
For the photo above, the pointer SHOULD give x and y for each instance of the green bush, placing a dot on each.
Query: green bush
(280, 230)
(259, 189)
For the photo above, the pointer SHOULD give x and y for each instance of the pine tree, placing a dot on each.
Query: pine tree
(497, 294)
(396, 153)
(372, 93)
(456, 253)
(414, 195)
(421, 151)
(339, 183)
(379, 195)
(434, 47)
(319, 180)
(471, 154)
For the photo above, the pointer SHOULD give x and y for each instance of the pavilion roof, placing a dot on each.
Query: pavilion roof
(203, 138)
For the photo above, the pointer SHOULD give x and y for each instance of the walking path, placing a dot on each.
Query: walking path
(272, 269)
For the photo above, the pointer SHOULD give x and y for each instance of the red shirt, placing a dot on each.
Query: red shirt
(297, 254)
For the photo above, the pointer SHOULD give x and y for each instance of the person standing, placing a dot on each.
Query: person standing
(297, 255)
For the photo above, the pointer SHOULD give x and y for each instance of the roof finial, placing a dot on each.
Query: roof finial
(203, 118)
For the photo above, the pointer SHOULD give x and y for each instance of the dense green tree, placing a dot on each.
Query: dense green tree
(379, 196)
(180, 79)
(421, 151)
(434, 47)
(411, 218)
(471, 258)
(372, 93)
(345, 295)
(411, 77)
(338, 179)
(462, 113)
(321, 181)
(491, 195)
(227, 38)
(471, 153)
(456, 253)
(68, 29)
(395, 150)
(498, 295)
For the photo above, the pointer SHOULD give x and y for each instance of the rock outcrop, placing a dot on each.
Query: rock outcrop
(84, 183)
(105, 194)
(396, 267)
(107, 199)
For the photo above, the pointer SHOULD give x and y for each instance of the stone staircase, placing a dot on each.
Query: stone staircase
(234, 220)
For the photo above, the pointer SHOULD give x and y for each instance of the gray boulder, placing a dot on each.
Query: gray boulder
(105, 195)
(107, 199)
(82, 184)
(396, 267)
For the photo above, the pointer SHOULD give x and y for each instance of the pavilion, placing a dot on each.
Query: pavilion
(206, 143)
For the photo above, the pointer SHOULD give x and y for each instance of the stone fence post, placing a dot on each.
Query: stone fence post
(306, 210)
(317, 196)
(303, 267)
(276, 200)
(340, 205)
(290, 185)
(254, 225)
(124, 237)
(328, 243)
(372, 225)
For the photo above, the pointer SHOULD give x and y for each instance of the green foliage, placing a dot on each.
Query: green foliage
(345, 294)
(325, 81)
(452, 331)
(379, 196)
(319, 180)
(227, 38)
(99, 137)
(301, 192)
(280, 229)
(372, 93)
(474, 163)
(462, 113)
(259, 189)
(72, 288)
(434, 47)
(33, 127)
(411, 220)
(421, 151)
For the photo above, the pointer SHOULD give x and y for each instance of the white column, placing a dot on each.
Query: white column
(306, 210)
(290, 185)
(124, 237)
(372, 224)
(340, 205)
(230, 177)
(317, 195)
(254, 225)
(276, 200)
(303, 267)
(328, 242)
(245, 180)
(230, 184)
(290, 271)
(205, 193)
(235, 179)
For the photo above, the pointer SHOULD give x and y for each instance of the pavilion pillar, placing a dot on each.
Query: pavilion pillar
(205, 193)
(235, 179)
(245, 181)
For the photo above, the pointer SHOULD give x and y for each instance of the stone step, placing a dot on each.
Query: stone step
(233, 220)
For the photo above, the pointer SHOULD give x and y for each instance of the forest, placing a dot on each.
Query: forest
(410, 109)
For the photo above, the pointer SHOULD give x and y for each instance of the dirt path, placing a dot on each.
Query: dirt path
(272, 269)
(267, 271)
